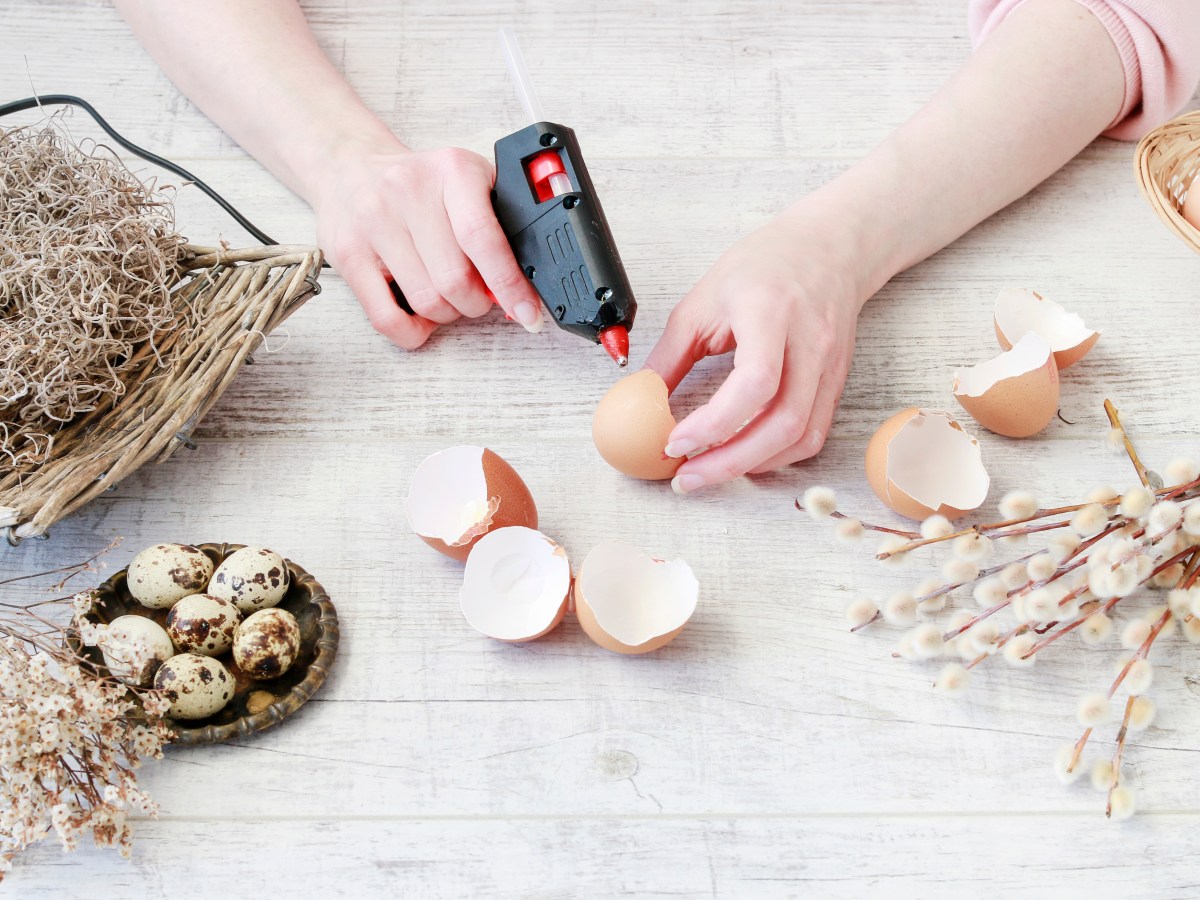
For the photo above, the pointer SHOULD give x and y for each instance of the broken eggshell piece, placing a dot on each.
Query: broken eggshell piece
(516, 584)
(630, 602)
(1019, 311)
(921, 462)
(631, 426)
(1014, 394)
(460, 494)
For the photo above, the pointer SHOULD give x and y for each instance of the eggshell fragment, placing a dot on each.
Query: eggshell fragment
(460, 494)
(1191, 204)
(165, 573)
(135, 639)
(1014, 394)
(630, 602)
(515, 584)
(1019, 311)
(921, 462)
(631, 425)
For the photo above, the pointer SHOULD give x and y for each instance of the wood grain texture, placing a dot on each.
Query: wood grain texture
(767, 752)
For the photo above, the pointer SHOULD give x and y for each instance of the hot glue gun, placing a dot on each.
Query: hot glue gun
(547, 205)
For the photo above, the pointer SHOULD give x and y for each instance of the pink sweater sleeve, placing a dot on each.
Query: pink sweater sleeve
(1159, 45)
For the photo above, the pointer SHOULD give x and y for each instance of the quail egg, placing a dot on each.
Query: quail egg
(196, 686)
(203, 624)
(133, 648)
(252, 578)
(266, 644)
(165, 573)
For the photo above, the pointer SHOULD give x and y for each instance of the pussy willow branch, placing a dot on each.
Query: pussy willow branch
(1114, 419)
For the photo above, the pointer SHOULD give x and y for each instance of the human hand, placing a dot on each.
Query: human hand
(425, 219)
(786, 300)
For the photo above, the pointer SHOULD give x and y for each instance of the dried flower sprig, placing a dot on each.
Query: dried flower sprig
(1101, 552)
(71, 738)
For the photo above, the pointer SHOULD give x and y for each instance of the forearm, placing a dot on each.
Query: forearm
(254, 68)
(1038, 91)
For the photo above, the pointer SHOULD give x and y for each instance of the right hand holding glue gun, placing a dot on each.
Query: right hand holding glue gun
(427, 218)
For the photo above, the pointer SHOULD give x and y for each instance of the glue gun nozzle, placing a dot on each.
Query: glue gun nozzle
(615, 339)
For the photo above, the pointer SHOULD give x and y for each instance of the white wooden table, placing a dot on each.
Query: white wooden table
(767, 752)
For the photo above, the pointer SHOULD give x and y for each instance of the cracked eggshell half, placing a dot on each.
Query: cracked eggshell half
(921, 462)
(515, 585)
(629, 602)
(460, 494)
(1016, 393)
(1019, 311)
(631, 426)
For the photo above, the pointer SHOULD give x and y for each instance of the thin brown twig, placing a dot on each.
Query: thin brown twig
(1114, 419)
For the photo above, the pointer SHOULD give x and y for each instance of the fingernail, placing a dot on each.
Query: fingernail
(529, 316)
(683, 484)
(679, 448)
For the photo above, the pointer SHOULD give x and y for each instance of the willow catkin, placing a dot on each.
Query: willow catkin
(88, 256)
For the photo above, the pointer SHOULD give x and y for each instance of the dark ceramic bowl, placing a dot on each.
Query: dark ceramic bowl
(255, 705)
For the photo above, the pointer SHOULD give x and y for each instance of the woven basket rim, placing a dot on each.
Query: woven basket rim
(1178, 137)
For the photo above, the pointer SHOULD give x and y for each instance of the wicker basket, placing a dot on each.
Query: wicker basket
(239, 297)
(1167, 160)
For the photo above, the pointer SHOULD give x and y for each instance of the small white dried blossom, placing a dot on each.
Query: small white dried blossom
(972, 547)
(931, 606)
(1103, 493)
(1090, 520)
(1134, 634)
(1102, 774)
(1141, 714)
(935, 527)
(904, 647)
(1191, 630)
(1122, 802)
(1094, 710)
(1062, 759)
(1153, 614)
(927, 640)
(861, 611)
(990, 592)
(1136, 502)
(820, 502)
(900, 609)
(1114, 440)
(1191, 519)
(848, 531)
(959, 619)
(1063, 544)
(1096, 629)
(1181, 471)
(1168, 577)
(1140, 677)
(1018, 505)
(1016, 650)
(1042, 605)
(1040, 567)
(1013, 539)
(890, 545)
(960, 571)
(1014, 575)
(982, 636)
(1194, 593)
(1164, 516)
(1100, 582)
(1124, 579)
(928, 586)
(952, 680)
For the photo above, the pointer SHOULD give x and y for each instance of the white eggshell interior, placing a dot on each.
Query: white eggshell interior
(514, 584)
(1019, 310)
(448, 496)
(935, 463)
(1027, 355)
(635, 597)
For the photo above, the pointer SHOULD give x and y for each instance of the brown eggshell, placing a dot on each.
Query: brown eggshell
(641, 597)
(884, 485)
(631, 426)
(508, 501)
(1066, 352)
(1021, 404)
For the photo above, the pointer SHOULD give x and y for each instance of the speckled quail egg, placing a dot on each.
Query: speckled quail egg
(203, 624)
(196, 686)
(266, 644)
(165, 573)
(128, 640)
(253, 578)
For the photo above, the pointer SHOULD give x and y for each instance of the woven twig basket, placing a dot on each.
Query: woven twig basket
(1167, 161)
(239, 297)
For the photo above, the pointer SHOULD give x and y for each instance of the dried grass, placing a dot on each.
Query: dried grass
(88, 258)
